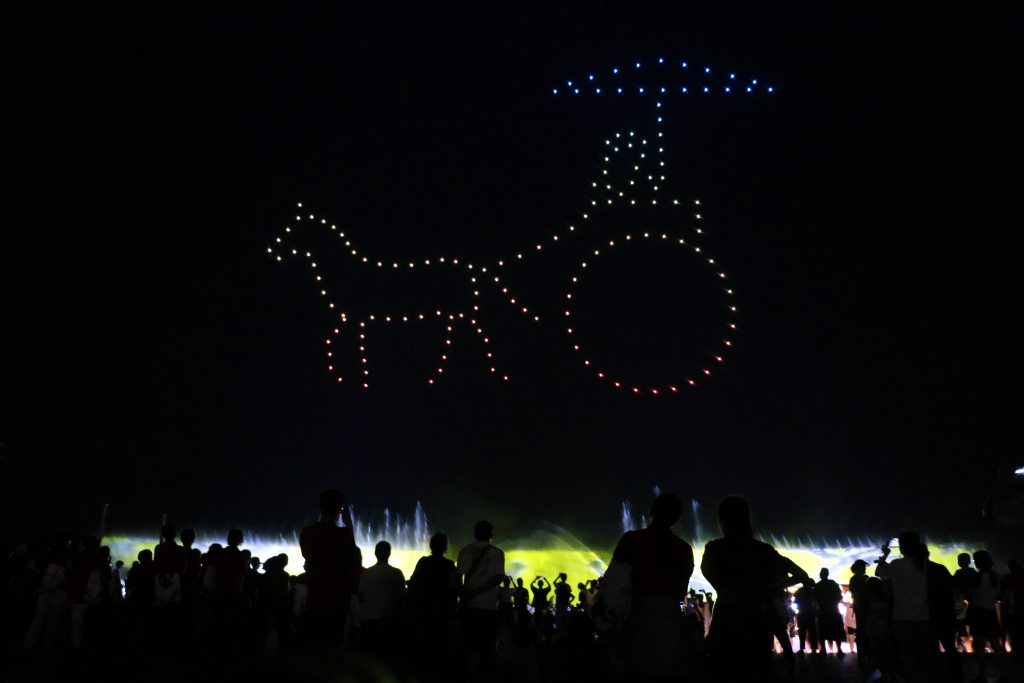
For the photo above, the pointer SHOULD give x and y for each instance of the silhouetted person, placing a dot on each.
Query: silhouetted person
(1012, 609)
(982, 615)
(329, 552)
(432, 599)
(964, 580)
(654, 634)
(806, 619)
(745, 573)
(942, 613)
(273, 605)
(193, 568)
(830, 621)
(878, 626)
(381, 601)
(482, 567)
(861, 597)
(563, 592)
(506, 596)
(541, 588)
(911, 627)
(520, 595)
(169, 564)
(232, 570)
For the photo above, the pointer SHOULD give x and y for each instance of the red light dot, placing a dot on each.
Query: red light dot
(636, 390)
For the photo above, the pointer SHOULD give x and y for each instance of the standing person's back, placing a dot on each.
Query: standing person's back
(329, 552)
(431, 598)
(482, 567)
(381, 598)
(911, 628)
(745, 572)
(661, 565)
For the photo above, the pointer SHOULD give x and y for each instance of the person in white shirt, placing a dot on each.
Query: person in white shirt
(381, 598)
(481, 567)
(907, 575)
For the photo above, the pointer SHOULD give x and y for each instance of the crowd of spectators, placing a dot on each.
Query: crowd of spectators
(177, 611)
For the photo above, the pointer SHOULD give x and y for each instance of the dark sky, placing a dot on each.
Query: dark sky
(155, 358)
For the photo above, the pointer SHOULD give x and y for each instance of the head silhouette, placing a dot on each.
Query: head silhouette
(438, 544)
(858, 567)
(823, 574)
(188, 537)
(235, 537)
(666, 510)
(983, 560)
(734, 516)
(963, 560)
(382, 551)
(483, 531)
(331, 502)
(168, 532)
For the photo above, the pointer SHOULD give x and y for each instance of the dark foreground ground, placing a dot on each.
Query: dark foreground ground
(18, 669)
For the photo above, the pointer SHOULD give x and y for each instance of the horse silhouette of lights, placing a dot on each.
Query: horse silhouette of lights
(632, 176)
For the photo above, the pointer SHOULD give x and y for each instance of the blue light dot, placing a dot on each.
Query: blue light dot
(641, 90)
(685, 90)
(771, 89)
(748, 89)
(684, 65)
(707, 69)
(554, 91)
(657, 104)
(598, 91)
(732, 76)
(615, 70)
(705, 88)
(662, 88)
(727, 89)
(638, 65)
(754, 82)
(661, 60)
(619, 90)
(576, 91)
(569, 83)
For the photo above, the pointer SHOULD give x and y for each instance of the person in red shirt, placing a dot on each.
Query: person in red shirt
(661, 565)
(330, 552)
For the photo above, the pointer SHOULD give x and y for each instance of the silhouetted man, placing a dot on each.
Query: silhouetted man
(481, 567)
(830, 622)
(329, 551)
(381, 598)
(806, 620)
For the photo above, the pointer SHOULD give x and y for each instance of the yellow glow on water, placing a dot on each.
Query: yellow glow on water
(548, 555)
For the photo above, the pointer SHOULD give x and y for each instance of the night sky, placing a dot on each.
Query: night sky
(154, 357)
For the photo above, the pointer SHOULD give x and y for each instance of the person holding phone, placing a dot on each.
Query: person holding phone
(907, 576)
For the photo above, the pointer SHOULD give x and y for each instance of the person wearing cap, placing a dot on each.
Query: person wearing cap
(861, 598)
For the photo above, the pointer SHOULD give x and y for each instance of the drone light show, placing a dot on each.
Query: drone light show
(630, 184)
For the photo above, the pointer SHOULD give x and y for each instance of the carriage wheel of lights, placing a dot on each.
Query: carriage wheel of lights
(632, 174)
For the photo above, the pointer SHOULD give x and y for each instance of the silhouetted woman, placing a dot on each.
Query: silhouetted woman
(745, 573)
